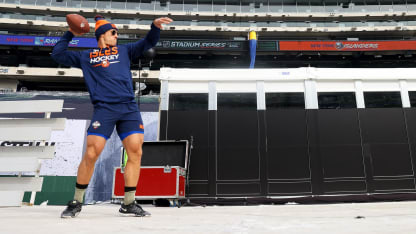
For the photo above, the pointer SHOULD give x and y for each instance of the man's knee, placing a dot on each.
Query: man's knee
(133, 145)
(91, 155)
(94, 149)
(135, 154)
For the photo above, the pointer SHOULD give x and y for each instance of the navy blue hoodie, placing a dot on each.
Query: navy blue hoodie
(106, 70)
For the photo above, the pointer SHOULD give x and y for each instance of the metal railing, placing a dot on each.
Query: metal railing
(227, 23)
(196, 7)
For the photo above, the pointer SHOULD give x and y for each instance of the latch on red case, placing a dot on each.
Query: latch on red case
(167, 169)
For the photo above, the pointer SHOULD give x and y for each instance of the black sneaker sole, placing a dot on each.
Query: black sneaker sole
(133, 215)
(70, 216)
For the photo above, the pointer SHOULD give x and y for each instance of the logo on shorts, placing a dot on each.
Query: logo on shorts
(96, 124)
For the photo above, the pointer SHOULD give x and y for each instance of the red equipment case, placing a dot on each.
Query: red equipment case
(154, 183)
(163, 172)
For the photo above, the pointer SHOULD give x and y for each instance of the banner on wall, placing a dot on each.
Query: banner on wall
(201, 45)
(346, 45)
(83, 42)
(45, 41)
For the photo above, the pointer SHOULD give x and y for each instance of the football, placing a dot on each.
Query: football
(77, 23)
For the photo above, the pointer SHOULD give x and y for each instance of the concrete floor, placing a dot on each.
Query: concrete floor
(381, 217)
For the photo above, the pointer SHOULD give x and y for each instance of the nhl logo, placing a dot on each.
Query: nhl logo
(96, 125)
(339, 45)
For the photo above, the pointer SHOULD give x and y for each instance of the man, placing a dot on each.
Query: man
(107, 74)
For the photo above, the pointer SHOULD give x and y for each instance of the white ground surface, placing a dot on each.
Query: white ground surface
(386, 217)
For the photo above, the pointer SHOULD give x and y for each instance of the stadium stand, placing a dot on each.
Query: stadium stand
(212, 34)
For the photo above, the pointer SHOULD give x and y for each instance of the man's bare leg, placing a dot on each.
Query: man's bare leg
(133, 145)
(95, 145)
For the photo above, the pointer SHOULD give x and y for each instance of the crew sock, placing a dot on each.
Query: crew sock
(129, 195)
(80, 191)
